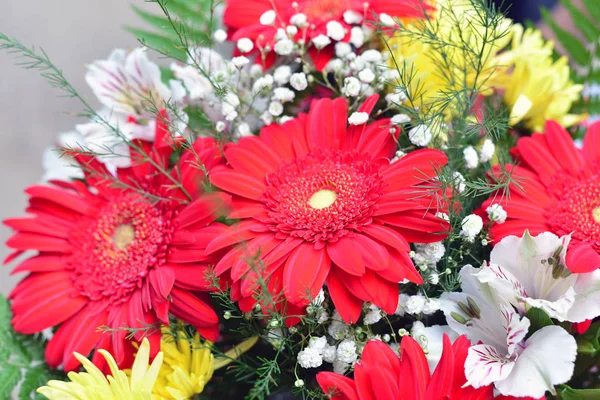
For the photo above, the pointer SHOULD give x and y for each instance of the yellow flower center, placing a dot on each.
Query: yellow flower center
(596, 214)
(322, 199)
(123, 235)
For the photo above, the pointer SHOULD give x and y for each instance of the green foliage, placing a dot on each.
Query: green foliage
(158, 42)
(538, 319)
(184, 24)
(580, 394)
(590, 30)
(21, 360)
(573, 45)
(587, 21)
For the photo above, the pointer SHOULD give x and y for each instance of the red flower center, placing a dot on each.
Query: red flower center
(323, 195)
(577, 209)
(115, 252)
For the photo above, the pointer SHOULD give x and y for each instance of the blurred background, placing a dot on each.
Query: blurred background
(73, 33)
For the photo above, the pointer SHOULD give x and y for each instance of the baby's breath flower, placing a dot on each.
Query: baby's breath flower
(245, 45)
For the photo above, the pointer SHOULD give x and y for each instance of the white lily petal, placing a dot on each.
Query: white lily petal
(516, 329)
(485, 365)
(130, 84)
(587, 298)
(503, 281)
(548, 360)
(559, 308)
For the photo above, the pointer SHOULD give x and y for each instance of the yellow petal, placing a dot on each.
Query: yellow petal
(520, 109)
(140, 364)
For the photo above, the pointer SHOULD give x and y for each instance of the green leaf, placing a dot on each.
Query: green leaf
(21, 359)
(194, 12)
(158, 42)
(538, 319)
(584, 394)
(34, 378)
(593, 9)
(569, 42)
(159, 22)
(590, 31)
(9, 378)
(5, 314)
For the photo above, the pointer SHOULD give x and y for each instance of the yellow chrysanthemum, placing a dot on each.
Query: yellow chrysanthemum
(94, 385)
(187, 368)
(436, 69)
(537, 88)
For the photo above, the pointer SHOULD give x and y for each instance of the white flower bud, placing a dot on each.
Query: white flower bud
(414, 304)
(471, 226)
(386, 20)
(321, 41)
(358, 118)
(342, 49)
(496, 213)
(352, 17)
(282, 74)
(346, 351)
(275, 108)
(335, 30)
(366, 75)
(291, 30)
(420, 135)
(373, 316)
(459, 181)
(298, 20)
(220, 36)
(471, 159)
(239, 62)
(487, 151)
(309, 358)
(284, 47)
(268, 17)
(357, 36)
(372, 56)
(245, 45)
(298, 81)
(351, 87)
(283, 94)
(400, 119)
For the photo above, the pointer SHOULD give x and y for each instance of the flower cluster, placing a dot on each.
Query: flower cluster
(341, 199)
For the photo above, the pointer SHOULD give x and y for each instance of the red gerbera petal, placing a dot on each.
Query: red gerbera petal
(381, 374)
(556, 189)
(108, 257)
(314, 212)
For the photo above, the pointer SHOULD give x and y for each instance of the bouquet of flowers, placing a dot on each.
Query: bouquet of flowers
(314, 199)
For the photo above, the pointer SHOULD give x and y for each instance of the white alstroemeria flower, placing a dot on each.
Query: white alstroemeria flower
(196, 82)
(59, 166)
(531, 272)
(109, 143)
(131, 83)
(501, 355)
(431, 340)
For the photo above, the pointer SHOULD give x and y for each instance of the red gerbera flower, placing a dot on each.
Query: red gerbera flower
(111, 256)
(322, 203)
(243, 17)
(381, 375)
(555, 188)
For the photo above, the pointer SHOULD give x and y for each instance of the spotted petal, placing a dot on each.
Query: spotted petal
(548, 360)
